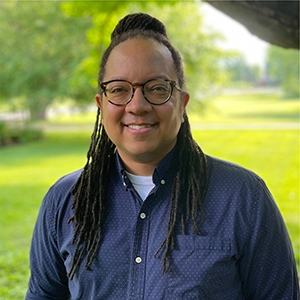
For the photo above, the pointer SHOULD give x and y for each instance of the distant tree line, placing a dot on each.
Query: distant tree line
(282, 67)
(50, 51)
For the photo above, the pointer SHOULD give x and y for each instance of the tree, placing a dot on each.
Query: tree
(239, 71)
(51, 50)
(283, 69)
(185, 29)
(40, 48)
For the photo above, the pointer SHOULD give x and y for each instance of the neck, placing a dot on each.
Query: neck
(140, 169)
(141, 166)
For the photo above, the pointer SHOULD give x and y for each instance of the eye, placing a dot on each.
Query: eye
(117, 88)
(160, 88)
(157, 87)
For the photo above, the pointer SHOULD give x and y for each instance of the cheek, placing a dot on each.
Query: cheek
(175, 112)
(111, 115)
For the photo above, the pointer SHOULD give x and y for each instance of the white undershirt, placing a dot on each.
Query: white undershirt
(142, 184)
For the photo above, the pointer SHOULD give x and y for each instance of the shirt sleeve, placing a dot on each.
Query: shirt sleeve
(267, 263)
(48, 274)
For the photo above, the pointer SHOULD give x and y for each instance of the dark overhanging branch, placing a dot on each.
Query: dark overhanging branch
(276, 22)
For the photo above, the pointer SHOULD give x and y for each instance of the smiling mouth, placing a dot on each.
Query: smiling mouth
(139, 127)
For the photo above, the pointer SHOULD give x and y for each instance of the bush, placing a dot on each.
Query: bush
(16, 135)
(29, 134)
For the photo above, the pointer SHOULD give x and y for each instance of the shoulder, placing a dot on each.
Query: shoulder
(228, 173)
(236, 188)
(60, 192)
(235, 185)
(56, 205)
(65, 183)
(237, 197)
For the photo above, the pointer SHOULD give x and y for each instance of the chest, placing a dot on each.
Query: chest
(202, 267)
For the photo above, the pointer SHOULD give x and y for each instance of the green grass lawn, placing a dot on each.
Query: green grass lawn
(248, 108)
(27, 172)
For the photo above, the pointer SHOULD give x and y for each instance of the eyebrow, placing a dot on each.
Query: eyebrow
(139, 82)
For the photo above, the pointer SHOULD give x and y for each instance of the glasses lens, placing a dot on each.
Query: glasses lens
(157, 91)
(118, 92)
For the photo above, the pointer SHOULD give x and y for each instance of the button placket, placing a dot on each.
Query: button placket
(140, 254)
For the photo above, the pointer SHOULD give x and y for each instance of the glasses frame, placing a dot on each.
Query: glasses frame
(172, 83)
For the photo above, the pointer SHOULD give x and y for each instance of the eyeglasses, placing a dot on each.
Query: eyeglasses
(156, 91)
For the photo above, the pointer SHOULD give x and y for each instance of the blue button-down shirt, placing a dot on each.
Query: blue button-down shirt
(244, 251)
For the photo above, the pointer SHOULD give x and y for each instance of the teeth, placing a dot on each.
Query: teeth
(138, 127)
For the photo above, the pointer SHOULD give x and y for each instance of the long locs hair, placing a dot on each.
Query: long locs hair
(90, 191)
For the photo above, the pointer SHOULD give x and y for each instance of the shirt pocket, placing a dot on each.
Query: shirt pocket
(202, 268)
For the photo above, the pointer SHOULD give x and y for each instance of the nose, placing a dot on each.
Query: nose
(138, 104)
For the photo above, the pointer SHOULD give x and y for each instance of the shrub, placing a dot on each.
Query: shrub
(15, 135)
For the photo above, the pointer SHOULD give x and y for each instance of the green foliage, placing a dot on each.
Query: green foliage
(239, 70)
(18, 135)
(283, 68)
(40, 49)
(51, 50)
(197, 46)
(4, 133)
(104, 16)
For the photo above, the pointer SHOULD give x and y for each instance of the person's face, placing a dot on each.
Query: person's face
(142, 132)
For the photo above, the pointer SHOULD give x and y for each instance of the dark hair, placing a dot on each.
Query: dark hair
(90, 190)
(143, 26)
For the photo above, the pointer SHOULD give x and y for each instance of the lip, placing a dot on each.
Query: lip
(139, 128)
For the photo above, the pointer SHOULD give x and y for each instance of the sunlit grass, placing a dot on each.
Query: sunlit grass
(248, 108)
(27, 172)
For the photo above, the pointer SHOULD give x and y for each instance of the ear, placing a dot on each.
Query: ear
(98, 99)
(186, 98)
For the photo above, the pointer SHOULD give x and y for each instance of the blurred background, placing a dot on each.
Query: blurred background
(244, 104)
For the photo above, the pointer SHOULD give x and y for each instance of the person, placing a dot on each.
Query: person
(150, 216)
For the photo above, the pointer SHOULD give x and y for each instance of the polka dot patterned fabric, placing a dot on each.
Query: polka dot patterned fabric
(244, 251)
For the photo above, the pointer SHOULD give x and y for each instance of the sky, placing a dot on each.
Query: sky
(237, 36)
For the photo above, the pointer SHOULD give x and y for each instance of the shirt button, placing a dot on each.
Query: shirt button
(142, 215)
(162, 181)
(138, 260)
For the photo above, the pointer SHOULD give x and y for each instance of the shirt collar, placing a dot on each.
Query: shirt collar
(163, 172)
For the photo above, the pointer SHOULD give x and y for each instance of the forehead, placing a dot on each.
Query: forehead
(140, 59)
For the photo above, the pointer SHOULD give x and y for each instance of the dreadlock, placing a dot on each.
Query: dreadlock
(188, 191)
(89, 201)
